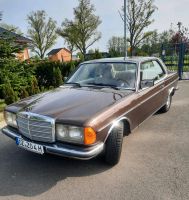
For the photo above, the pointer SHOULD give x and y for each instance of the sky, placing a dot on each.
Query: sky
(169, 11)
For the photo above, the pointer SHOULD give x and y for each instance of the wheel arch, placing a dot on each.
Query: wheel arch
(126, 124)
(172, 91)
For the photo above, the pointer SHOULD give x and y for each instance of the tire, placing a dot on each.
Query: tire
(167, 106)
(114, 145)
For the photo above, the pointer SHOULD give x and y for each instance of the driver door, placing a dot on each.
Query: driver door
(151, 98)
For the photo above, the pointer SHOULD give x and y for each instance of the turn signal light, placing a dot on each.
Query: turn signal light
(89, 135)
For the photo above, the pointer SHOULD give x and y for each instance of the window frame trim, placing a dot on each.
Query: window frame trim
(155, 82)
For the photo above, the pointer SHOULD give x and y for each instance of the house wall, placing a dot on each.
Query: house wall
(61, 56)
(53, 57)
(66, 55)
(24, 55)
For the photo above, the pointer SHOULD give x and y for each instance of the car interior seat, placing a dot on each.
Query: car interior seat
(128, 77)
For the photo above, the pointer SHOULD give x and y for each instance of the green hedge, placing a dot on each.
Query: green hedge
(47, 73)
(20, 79)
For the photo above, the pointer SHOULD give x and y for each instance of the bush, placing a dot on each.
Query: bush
(24, 93)
(17, 75)
(21, 79)
(46, 75)
(9, 95)
(57, 77)
(34, 89)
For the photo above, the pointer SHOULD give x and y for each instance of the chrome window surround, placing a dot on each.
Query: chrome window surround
(157, 81)
(37, 118)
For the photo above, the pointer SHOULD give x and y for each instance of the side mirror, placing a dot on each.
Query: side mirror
(146, 84)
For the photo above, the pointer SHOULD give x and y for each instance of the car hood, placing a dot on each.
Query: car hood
(70, 105)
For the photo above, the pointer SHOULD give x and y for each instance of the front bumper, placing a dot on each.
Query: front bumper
(83, 153)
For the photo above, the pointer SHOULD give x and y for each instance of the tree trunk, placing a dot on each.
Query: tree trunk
(84, 54)
(71, 55)
(131, 50)
(41, 55)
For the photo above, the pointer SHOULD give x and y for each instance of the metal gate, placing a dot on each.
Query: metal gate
(176, 58)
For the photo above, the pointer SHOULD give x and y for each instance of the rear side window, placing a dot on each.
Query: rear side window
(152, 70)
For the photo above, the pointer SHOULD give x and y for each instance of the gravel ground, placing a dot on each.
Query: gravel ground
(154, 165)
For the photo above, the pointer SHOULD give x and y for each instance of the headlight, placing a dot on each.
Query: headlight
(70, 133)
(75, 134)
(10, 119)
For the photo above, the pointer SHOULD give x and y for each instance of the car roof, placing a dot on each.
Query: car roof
(122, 59)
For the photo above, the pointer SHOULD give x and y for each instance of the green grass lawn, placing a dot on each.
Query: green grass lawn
(1, 116)
(2, 105)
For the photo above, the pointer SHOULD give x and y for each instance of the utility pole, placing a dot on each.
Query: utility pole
(125, 28)
(179, 26)
(180, 33)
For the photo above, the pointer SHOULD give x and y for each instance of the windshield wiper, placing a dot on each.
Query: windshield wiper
(73, 83)
(102, 85)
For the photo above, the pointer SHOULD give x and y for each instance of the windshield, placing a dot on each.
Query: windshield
(120, 75)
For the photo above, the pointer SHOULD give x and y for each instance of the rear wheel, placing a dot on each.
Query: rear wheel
(114, 145)
(167, 106)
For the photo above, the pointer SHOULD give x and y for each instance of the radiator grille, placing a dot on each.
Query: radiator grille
(36, 127)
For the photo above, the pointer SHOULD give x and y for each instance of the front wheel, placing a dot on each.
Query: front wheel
(167, 106)
(114, 145)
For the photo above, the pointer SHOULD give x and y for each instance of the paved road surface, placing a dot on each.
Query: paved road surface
(154, 165)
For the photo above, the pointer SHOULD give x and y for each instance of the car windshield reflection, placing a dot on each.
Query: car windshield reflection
(112, 75)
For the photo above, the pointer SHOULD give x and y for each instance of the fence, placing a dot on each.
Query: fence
(176, 58)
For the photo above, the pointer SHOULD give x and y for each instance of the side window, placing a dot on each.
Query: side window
(151, 70)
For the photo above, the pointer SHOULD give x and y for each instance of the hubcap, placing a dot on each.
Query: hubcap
(168, 101)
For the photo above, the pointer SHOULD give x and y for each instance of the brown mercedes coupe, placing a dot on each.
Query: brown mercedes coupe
(100, 102)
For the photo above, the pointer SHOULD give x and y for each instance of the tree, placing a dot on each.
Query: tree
(0, 15)
(11, 28)
(166, 36)
(57, 77)
(10, 95)
(116, 46)
(69, 36)
(150, 45)
(139, 14)
(82, 31)
(181, 36)
(10, 69)
(93, 54)
(42, 32)
(17, 73)
(8, 46)
(24, 93)
(33, 88)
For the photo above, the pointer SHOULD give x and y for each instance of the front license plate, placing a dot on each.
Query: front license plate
(30, 146)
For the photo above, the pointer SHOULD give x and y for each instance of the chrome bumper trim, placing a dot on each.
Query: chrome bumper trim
(67, 151)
